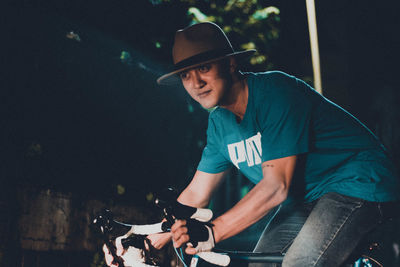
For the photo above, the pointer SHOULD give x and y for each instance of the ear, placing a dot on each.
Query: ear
(232, 65)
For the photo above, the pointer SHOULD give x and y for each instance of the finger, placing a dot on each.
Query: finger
(146, 246)
(183, 239)
(157, 237)
(190, 250)
(178, 224)
(105, 249)
(109, 259)
(120, 249)
(179, 233)
(107, 255)
(158, 241)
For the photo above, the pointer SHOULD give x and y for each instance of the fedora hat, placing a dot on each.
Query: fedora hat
(199, 44)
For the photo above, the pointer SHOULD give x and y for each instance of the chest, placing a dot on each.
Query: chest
(241, 144)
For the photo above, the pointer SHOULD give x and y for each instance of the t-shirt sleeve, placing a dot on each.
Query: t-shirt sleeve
(212, 160)
(284, 114)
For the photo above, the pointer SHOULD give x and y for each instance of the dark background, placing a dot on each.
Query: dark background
(75, 115)
(77, 118)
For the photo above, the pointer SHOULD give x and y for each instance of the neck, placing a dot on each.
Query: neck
(237, 97)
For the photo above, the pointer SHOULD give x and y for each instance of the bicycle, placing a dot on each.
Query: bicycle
(135, 237)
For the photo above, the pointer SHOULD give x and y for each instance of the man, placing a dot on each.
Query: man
(322, 174)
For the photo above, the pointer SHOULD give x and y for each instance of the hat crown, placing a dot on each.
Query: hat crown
(199, 38)
(199, 44)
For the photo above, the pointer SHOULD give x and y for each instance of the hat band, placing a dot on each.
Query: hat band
(202, 57)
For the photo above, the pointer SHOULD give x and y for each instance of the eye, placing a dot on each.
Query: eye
(183, 75)
(204, 68)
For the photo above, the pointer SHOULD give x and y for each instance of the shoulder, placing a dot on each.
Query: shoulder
(272, 84)
(218, 125)
(217, 114)
(269, 77)
(277, 93)
(216, 117)
(279, 84)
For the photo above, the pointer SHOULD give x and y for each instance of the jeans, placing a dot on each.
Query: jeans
(321, 233)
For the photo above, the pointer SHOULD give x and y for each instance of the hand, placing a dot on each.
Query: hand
(158, 241)
(120, 251)
(108, 257)
(197, 235)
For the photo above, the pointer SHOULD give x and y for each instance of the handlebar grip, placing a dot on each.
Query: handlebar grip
(215, 258)
(147, 229)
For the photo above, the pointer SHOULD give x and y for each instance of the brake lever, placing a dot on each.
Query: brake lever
(104, 222)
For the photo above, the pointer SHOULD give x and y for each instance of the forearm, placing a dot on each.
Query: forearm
(255, 205)
(192, 198)
(199, 191)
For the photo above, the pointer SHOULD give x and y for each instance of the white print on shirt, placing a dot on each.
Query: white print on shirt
(246, 150)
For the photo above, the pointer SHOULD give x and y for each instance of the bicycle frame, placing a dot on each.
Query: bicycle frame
(247, 257)
(258, 257)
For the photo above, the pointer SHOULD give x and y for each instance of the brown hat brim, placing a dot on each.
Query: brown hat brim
(172, 78)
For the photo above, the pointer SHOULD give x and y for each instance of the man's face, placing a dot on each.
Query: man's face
(208, 83)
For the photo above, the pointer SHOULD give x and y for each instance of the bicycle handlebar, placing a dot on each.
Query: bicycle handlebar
(134, 235)
(175, 210)
(253, 256)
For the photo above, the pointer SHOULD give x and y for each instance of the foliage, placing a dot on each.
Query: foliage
(249, 24)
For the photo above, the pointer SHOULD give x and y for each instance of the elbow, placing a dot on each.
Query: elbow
(277, 196)
(281, 194)
(193, 199)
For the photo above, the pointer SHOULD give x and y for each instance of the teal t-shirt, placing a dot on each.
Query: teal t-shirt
(284, 117)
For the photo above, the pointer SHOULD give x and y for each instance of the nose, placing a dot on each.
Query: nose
(197, 80)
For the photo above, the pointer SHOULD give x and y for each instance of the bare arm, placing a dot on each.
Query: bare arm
(268, 193)
(198, 193)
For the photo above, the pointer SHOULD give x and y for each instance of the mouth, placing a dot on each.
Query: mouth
(204, 94)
